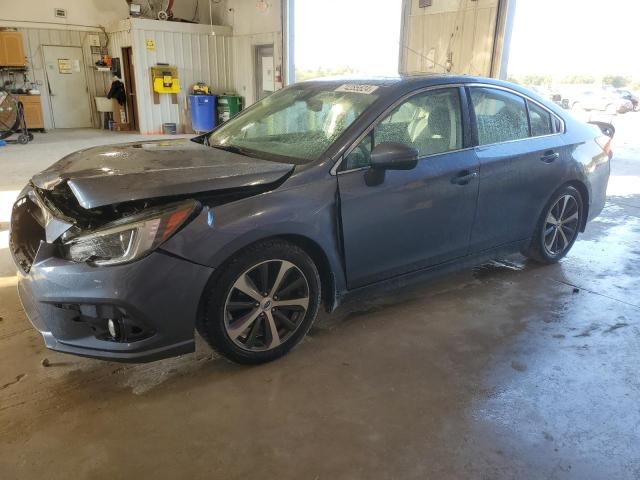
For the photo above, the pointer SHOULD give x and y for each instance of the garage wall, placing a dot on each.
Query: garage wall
(449, 36)
(199, 56)
(253, 26)
(79, 12)
(35, 38)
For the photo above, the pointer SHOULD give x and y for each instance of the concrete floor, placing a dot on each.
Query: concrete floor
(510, 370)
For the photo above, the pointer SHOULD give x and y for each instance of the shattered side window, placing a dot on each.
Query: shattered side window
(540, 120)
(500, 116)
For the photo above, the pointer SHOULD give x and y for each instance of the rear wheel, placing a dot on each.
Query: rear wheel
(262, 303)
(558, 227)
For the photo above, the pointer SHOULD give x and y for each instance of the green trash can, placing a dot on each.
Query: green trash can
(228, 107)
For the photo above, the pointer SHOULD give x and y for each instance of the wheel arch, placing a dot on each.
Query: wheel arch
(584, 193)
(319, 257)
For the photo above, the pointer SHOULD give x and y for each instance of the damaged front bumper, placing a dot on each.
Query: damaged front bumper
(154, 302)
(134, 312)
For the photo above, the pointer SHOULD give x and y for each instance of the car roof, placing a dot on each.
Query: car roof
(400, 84)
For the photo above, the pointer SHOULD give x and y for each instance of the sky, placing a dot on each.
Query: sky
(576, 37)
(365, 35)
(557, 37)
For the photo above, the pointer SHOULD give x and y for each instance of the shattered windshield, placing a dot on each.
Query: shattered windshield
(297, 124)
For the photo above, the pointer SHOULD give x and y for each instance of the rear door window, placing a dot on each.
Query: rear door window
(500, 116)
(540, 120)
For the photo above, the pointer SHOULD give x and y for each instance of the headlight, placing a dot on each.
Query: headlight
(130, 238)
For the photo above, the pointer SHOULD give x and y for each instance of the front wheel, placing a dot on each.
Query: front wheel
(558, 227)
(262, 303)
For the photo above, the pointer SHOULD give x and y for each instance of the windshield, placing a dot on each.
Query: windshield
(297, 124)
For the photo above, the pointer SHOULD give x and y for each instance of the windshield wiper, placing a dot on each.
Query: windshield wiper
(229, 148)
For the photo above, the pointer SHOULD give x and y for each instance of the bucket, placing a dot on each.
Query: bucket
(169, 128)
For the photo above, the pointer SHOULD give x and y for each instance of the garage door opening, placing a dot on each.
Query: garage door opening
(363, 39)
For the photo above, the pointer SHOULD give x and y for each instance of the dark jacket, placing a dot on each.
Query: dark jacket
(117, 91)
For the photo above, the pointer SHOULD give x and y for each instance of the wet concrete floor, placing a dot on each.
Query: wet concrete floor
(509, 370)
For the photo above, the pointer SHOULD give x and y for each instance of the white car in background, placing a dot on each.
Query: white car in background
(599, 100)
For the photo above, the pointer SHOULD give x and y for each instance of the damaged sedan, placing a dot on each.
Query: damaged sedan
(323, 189)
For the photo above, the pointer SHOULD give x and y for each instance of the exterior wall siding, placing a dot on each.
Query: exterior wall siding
(199, 57)
(449, 36)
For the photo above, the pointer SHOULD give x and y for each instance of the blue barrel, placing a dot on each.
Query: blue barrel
(203, 112)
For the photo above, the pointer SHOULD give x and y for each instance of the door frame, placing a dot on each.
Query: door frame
(129, 79)
(86, 79)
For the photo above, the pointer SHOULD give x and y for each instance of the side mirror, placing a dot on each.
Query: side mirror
(393, 156)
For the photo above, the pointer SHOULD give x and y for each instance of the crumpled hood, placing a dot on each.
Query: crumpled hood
(134, 171)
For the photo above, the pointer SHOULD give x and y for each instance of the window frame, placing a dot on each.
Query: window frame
(469, 126)
(464, 118)
(551, 122)
(526, 98)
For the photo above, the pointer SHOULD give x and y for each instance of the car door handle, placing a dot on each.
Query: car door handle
(464, 177)
(550, 156)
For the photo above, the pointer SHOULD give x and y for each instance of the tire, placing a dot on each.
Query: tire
(226, 320)
(544, 248)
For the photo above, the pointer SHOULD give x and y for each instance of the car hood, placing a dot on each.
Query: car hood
(134, 171)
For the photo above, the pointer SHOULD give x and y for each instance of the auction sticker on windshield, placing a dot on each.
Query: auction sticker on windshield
(357, 88)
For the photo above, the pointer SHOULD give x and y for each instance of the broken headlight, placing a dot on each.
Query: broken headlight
(130, 238)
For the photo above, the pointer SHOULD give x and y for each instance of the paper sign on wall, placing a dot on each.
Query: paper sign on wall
(93, 40)
(151, 45)
(268, 84)
(64, 65)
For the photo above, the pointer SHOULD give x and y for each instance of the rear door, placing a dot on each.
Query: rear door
(522, 162)
(417, 218)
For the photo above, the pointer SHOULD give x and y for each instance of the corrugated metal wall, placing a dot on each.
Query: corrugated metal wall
(451, 35)
(199, 57)
(34, 39)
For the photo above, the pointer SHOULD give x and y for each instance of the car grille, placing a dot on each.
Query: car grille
(27, 231)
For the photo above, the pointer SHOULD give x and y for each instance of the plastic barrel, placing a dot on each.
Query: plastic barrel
(203, 112)
(228, 107)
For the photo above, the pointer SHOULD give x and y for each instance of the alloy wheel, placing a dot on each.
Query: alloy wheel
(561, 225)
(266, 305)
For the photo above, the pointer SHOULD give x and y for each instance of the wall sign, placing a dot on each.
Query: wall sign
(267, 74)
(151, 45)
(64, 65)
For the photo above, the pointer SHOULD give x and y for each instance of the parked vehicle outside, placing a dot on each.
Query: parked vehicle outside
(599, 100)
(322, 190)
(628, 95)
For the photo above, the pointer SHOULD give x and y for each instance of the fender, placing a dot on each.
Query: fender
(308, 211)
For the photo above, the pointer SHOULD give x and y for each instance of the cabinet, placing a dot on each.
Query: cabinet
(11, 50)
(32, 111)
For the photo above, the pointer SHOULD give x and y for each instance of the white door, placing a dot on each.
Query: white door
(67, 87)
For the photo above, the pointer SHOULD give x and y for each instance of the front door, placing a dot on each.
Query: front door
(417, 218)
(67, 86)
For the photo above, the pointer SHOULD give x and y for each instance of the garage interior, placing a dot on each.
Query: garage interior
(507, 370)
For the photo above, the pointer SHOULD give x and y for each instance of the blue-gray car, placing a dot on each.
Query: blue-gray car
(322, 190)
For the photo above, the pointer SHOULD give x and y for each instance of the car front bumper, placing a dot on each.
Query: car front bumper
(154, 301)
